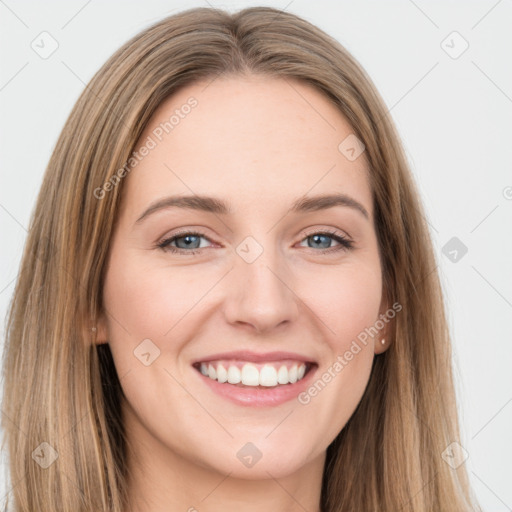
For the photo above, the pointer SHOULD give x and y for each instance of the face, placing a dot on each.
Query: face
(263, 284)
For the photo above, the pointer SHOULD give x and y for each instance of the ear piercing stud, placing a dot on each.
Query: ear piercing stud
(383, 341)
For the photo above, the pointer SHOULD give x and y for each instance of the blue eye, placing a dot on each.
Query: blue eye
(191, 239)
(345, 243)
(189, 236)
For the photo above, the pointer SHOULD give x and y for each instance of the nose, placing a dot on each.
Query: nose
(260, 294)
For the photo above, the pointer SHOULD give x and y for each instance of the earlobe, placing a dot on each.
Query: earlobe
(383, 341)
(381, 345)
(100, 331)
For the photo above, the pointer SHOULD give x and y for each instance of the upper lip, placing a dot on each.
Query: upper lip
(247, 355)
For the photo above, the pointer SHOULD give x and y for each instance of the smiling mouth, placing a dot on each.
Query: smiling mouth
(255, 375)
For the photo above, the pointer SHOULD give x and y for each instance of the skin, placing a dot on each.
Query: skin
(248, 138)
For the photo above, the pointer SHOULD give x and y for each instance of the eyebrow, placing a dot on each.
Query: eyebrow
(218, 206)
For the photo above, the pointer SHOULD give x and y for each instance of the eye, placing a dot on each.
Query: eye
(190, 238)
(190, 242)
(322, 238)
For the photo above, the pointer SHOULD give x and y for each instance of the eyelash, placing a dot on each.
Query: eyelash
(345, 243)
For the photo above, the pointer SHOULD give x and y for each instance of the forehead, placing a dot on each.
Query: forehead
(247, 139)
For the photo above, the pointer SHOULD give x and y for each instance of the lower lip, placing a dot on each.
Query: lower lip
(256, 396)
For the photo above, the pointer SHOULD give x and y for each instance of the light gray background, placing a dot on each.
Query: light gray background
(454, 115)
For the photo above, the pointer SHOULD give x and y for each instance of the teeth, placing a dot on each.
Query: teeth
(292, 374)
(250, 375)
(282, 375)
(222, 374)
(268, 375)
(234, 375)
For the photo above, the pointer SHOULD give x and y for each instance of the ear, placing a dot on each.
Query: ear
(384, 333)
(101, 329)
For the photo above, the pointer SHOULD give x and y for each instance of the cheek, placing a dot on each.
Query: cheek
(347, 301)
(149, 302)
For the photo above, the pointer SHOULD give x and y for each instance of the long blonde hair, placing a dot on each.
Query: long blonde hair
(62, 420)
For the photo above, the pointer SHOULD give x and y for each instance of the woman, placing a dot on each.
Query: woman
(178, 341)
